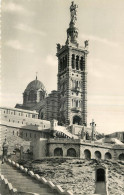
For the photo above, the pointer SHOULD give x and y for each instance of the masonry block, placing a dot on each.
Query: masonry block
(21, 167)
(59, 189)
(69, 193)
(10, 186)
(6, 181)
(2, 177)
(31, 173)
(17, 165)
(37, 177)
(50, 184)
(43, 180)
(13, 163)
(9, 161)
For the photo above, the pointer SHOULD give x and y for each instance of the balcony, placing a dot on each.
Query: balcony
(76, 109)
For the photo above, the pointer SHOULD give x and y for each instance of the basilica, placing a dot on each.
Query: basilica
(55, 124)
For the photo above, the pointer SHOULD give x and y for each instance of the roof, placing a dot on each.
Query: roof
(110, 141)
(35, 85)
(19, 110)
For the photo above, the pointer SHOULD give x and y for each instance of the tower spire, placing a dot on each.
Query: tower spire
(72, 31)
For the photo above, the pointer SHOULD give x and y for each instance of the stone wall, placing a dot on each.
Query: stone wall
(39, 148)
(66, 147)
(84, 150)
(13, 139)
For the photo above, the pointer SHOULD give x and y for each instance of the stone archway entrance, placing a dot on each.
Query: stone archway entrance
(58, 152)
(108, 156)
(71, 152)
(100, 181)
(121, 157)
(100, 175)
(87, 154)
(76, 120)
(98, 155)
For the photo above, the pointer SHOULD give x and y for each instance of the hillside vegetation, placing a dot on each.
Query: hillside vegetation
(79, 175)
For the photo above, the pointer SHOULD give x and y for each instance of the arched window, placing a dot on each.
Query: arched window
(73, 61)
(98, 155)
(65, 63)
(58, 152)
(81, 63)
(76, 103)
(121, 157)
(71, 152)
(77, 62)
(87, 154)
(108, 155)
(76, 84)
(42, 95)
(72, 102)
(32, 96)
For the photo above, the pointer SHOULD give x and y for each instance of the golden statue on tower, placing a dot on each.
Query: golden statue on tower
(73, 12)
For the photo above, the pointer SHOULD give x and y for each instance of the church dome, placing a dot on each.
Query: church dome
(35, 92)
(35, 85)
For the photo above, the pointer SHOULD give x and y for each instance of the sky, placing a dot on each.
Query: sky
(32, 28)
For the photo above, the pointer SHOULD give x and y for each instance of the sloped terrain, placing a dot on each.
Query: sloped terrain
(79, 175)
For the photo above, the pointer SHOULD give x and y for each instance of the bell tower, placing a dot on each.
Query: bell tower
(72, 76)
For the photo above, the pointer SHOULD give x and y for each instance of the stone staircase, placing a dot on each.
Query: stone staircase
(23, 182)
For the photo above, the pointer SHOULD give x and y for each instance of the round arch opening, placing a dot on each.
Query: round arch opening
(77, 120)
(58, 152)
(98, 155)
(121, 157)
(71, 152)
(108, 156)
(87, 154)
(100, 175)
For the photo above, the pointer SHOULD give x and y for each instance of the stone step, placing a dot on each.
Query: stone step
(24, 183)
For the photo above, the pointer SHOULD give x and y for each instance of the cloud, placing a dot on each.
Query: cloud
(107, 100)
(28, 29)
(50, 60)
(96, 68)
(15, 44)
(102, 69)
(12, 7)
(98, 39)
